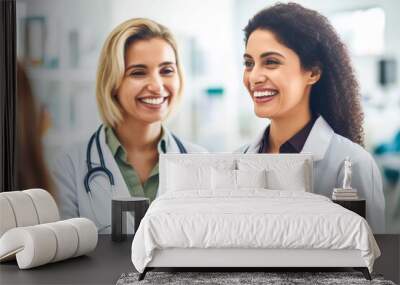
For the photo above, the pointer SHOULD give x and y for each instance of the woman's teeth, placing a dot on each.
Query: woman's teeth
(153, 101)
(259, 94)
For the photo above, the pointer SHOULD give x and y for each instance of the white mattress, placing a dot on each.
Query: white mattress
(253, 218)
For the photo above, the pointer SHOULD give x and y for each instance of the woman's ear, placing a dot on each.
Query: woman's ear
(315, 75)
(114, 93)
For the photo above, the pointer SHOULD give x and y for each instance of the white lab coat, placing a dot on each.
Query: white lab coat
(69, 170)
(329, 152)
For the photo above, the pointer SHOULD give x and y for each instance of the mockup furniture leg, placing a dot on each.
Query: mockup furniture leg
(143, 274)
(364, 271)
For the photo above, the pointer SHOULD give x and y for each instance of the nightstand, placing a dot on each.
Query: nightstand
(357, 206)
(119, 207)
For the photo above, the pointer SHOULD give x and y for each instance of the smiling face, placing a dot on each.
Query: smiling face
(151, 83)
(273, 75)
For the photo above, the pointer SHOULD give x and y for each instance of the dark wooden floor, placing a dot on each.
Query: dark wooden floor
(106, 264)
(389, 262)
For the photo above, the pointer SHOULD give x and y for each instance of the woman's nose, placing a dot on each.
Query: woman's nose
(155, 84)
(257, 77)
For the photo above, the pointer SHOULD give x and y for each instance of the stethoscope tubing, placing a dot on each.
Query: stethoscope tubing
(99, 169)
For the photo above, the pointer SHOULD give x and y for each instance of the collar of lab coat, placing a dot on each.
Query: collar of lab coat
(171, 145)
(317, 142)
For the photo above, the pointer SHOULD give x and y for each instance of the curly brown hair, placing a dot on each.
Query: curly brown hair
(310, 35)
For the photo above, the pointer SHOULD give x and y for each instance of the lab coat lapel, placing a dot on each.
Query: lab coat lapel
(255, 145)
(171, 145)
(317, 142)
(319, 139)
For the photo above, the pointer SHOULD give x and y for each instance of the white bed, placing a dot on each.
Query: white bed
(213, 225)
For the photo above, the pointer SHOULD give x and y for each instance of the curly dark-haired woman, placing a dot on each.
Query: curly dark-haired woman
(299, 76)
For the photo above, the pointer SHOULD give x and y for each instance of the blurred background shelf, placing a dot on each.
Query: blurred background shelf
(84, 75)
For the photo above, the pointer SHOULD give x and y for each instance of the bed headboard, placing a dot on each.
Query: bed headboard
(284, 167)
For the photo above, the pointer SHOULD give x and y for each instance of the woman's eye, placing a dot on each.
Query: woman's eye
(137, 73)
(167, 71)
(248, 64)
(272, 62)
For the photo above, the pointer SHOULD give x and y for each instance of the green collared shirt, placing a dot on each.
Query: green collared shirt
(131, 177)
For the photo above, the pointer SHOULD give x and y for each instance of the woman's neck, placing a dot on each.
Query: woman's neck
(282, 129)
(136, 136)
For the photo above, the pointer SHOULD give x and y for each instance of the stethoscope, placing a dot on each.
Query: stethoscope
(102, 169)
(92, 171)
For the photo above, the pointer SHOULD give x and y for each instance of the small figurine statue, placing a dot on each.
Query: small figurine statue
(347, 174)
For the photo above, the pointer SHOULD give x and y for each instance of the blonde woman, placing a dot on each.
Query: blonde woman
(139, 82)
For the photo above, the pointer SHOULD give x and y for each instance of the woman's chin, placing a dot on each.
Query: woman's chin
(262, 113)
(155, 114)
(154, 118)
(150, 118)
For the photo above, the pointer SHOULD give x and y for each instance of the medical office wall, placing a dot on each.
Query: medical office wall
(60, 41)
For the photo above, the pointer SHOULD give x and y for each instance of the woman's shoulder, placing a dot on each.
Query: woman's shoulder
(174, 140)
(70, 154)
(242, 149)
(194, 148)
(344, 147)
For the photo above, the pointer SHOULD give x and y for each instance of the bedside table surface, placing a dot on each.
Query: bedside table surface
(133, 199)
(351, 200)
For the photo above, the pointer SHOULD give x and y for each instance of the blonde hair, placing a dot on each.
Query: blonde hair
(111, 67)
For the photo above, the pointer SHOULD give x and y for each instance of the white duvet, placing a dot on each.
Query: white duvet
(253, 218)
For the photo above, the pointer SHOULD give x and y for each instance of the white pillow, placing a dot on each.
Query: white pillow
(282, 174)
(251, 178)
(228, 179)
(223, 179)
(183, 177)
(223, 164)
(294, 179)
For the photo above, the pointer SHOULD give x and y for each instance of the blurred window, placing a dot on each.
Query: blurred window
(361, 30)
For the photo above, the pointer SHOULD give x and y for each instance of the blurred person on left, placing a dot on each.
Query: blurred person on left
(33, 121)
